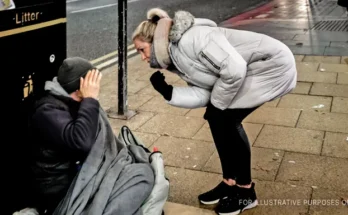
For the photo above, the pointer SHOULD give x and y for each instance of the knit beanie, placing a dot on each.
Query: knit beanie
(70, 72)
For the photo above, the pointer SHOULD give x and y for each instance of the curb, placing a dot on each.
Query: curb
(111, 59)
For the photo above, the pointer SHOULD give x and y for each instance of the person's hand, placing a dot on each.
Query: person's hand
(157, 78)
(90, 85)
(158, 82)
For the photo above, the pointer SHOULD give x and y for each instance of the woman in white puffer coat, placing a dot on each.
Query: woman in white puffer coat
(231, 72)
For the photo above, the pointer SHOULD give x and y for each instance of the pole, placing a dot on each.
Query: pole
(122, 57)
(122, 106)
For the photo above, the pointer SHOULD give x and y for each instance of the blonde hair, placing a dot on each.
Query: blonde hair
(146, 29)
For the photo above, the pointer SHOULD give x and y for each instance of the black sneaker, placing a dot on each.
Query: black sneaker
(213, 196)
(242, 200)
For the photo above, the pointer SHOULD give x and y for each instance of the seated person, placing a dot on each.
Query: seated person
(76, 156)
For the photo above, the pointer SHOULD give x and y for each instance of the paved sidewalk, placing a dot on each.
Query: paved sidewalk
(299, 142)
(316, 27)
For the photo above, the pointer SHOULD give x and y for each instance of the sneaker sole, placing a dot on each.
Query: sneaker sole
(210, 202)
(252, 205)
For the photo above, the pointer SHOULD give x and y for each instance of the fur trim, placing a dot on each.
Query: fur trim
(157, 12)
(182, 21)
(161, 42)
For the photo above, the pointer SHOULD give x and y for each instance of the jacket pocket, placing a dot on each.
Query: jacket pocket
(212, 56)
(202, 68)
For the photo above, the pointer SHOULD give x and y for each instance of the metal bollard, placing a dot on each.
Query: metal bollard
(122, 110)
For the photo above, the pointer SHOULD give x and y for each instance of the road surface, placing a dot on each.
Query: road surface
(93, 24)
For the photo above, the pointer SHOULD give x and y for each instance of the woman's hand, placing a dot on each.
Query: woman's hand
(158, 82)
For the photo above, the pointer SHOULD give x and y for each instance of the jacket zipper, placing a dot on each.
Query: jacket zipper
(210, 61)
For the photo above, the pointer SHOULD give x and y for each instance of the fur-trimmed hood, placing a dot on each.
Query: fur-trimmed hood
(183, 21)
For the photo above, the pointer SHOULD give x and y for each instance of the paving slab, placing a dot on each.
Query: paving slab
(171, 208)
(186, 185)
(322, 59)
(328, 67)
(344, 59)
(197, 112)
(136, 68)
(135, 86)
(280, 199)
(335, 145)
(138, 73)
(264, 163)
(335, 122)
(109, 89)
(306, 102)
(252, 130)
(324, 89)
(146, 138)
(110, 84)
(342, 78)
(134, 101)
(314, 170)
(302, 88)
(108, 76)
(186, 153)
(340, 105)
(274, 116)
(320, 77)
(299, 58)
(158, 104)
(307, 66)
(290, 139)
(204, 134)
(282, 35)
(339, 44)
(323, 36)
(336, 51)
(173, 125)
(149, 90)
(134, 123)
(108, 101)
(306, 50)
(305, 43)
(325, 201)
(273, 103)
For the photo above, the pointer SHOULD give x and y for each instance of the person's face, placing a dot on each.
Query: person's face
(144, 48)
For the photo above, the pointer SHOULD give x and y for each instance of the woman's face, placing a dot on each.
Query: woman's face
(144, 48)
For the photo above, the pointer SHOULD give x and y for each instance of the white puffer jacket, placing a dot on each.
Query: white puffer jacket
(231, 68)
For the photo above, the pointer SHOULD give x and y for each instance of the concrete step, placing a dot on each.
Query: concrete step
(179, 209)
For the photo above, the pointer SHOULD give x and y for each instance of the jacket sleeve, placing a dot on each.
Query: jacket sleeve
(217, 54)
(189, 97)
(58, 125)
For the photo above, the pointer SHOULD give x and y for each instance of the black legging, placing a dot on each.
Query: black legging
(231, 142)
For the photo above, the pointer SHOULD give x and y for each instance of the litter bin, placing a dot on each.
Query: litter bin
(32, 47)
